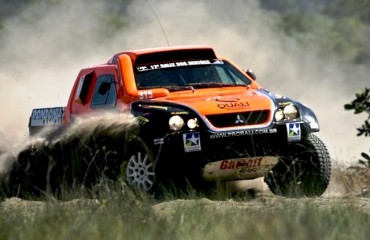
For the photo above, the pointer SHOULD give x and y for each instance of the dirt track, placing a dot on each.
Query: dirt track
(259, 198)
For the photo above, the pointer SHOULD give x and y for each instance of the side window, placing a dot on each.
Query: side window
(105, 94)
(83, 88)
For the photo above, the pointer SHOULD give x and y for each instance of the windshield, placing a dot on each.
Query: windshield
(189, 75)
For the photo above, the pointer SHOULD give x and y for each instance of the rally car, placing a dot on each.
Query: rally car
(198, 119)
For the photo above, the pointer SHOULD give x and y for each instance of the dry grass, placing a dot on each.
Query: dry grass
(354, 180)
(116, 213)
(112, 211)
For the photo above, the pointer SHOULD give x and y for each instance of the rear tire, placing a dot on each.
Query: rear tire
(303, 171)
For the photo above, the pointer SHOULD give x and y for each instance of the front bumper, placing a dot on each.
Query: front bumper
(188, 152)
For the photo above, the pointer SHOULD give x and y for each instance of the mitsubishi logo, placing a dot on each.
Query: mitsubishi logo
(239, 119)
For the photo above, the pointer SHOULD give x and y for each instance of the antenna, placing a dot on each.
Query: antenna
(159, 22)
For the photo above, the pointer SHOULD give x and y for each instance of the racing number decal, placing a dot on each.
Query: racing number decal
(145, 95)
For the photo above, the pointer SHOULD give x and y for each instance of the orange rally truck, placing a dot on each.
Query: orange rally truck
(199, 119)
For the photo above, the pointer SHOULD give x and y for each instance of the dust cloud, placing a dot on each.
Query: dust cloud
(44, 46)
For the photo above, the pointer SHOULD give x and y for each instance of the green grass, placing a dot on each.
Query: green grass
(118, 214)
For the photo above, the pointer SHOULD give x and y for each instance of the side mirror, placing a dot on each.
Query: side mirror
(251, 74)
(104, 88)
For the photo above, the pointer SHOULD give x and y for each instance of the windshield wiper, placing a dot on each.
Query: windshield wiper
(170, 88)
(178, 88)
(214, 84)
(192, 86)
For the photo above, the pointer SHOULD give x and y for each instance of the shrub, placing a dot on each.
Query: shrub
(361, 104)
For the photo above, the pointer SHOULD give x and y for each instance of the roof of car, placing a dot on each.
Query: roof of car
(148, 51)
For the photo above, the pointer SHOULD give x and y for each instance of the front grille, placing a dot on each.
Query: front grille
(238, 119)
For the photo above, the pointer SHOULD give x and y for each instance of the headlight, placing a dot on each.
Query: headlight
(176, 123)
(279, 115)
(290, 112)
(192, 123)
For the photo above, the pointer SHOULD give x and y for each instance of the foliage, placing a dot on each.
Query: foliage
(338, 29)
(361, 104)
(334, 28)
(346, 37)
(111, 23)
(345, 8)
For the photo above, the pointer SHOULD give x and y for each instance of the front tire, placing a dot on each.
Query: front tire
(137, 169)
(304, 170)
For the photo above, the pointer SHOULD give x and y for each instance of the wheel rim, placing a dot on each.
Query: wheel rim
(139, 172)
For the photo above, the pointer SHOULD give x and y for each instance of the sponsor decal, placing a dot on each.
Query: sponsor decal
(154, 106)
(142, 120)
(191, 142)
(179, 113)
(231, 164)
(158, 141)
(283, 104)
(255, 170)
(233, 106)
(239, 119)
(227, 99)
(243, 133)
(239, 168)
(294, 132)
(47, 116)
(177, 64)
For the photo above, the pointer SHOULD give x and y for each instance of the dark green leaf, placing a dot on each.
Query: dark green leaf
(348, 107)
(366, 156)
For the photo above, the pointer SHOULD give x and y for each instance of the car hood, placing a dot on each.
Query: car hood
(223, 101)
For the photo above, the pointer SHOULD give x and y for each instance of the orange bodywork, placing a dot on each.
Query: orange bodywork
(206, 101)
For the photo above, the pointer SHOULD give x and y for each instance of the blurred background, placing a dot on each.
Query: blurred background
(317, 52)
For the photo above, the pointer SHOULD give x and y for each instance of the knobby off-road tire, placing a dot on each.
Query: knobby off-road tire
(32, 175)
(138, 169)
(303, 171)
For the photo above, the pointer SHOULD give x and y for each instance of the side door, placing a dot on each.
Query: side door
(97, 89)
(105, 92)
